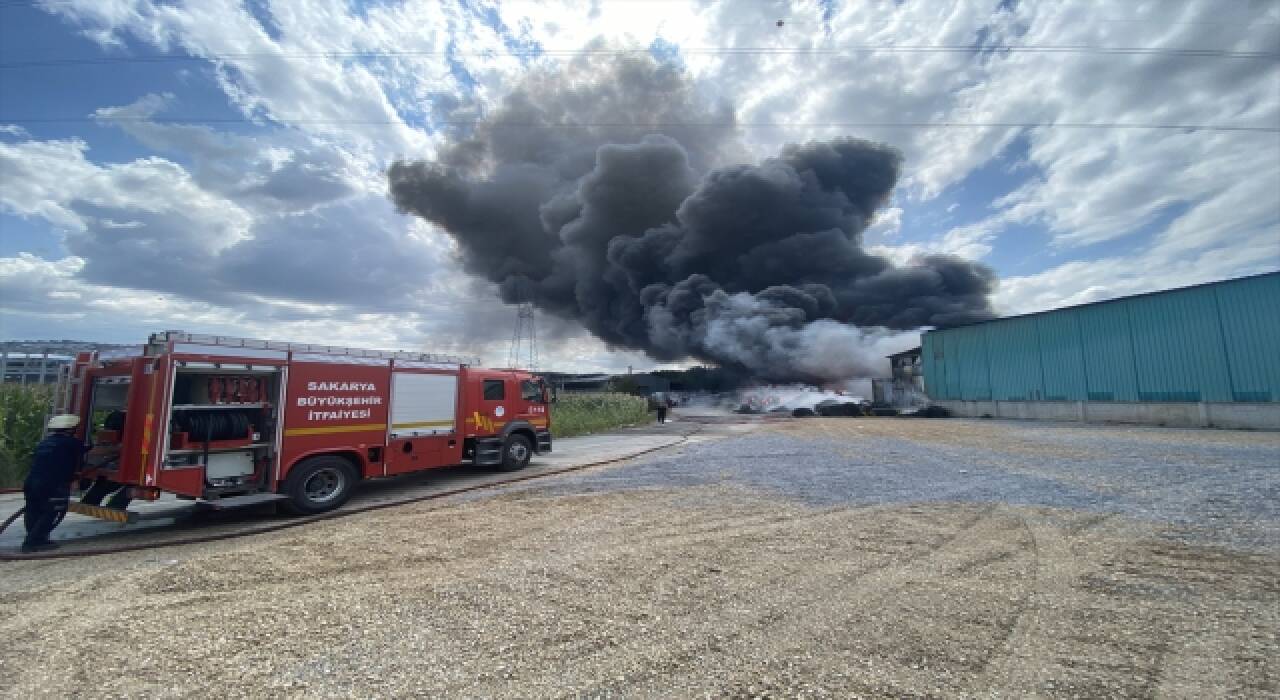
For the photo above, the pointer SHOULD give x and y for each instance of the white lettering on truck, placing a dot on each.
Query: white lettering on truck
(339, 400)
(339, 407)
(341, 386)
(338, 415)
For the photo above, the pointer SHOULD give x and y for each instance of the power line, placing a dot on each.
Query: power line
(36, 4)
(794, 22)
(688, 51)
(860, 21)
(660, 125)
(884, 20)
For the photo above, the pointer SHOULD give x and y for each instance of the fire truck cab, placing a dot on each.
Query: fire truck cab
(236, 421)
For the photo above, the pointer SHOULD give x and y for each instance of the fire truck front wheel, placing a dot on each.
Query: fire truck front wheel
(319, 484)
(516, 453)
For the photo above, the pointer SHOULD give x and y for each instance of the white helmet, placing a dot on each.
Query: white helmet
(64, 422)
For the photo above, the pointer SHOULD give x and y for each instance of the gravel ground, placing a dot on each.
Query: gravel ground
(1207, 486)
(822, 558)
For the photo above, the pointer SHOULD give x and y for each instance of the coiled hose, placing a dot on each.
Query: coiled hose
(215, 425)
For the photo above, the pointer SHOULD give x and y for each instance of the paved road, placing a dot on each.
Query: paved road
(170, 517)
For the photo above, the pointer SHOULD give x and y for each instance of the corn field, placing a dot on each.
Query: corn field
(22, 414)
(581, 414)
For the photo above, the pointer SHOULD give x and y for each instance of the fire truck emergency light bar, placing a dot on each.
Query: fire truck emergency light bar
(158, 341)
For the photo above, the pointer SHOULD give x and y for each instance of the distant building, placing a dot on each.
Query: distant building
(1206, 355)
(646, 384)
(640, 384)
(906, 368)
(31, 368)
(563, 381)
(41, 361)
(905, 388)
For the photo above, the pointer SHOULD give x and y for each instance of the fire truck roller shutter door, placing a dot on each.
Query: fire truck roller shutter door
(423, 404)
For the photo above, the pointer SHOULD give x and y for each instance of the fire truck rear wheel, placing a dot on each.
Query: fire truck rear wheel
(319, 484)
(516, 453)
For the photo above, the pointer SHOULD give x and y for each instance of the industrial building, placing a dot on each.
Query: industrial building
(31, 368)
(905, 387)
(1206, 355)
(41, 361)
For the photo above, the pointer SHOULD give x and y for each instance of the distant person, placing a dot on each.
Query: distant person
(48, 485)
(658, 401)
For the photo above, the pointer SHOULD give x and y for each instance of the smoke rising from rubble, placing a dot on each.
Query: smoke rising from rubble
(578, 194)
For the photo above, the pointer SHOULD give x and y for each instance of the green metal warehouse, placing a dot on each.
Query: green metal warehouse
(1207, 355)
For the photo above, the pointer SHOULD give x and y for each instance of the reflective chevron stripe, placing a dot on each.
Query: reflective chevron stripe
(112, 514)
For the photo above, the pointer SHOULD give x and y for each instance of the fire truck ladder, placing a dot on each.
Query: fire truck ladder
(158, 341)
(60, 401)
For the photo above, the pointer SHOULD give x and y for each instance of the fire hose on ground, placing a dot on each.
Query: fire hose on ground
(8, 521)
(331, 515)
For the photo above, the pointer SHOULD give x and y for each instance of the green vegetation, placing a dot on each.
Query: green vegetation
(22, 414)
(582, 414)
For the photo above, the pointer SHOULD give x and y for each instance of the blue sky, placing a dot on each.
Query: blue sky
(112, 229)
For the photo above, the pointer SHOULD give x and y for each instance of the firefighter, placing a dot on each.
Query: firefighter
(48, 485)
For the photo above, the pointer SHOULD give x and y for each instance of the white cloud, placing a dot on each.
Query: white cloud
(887, 223)
(54, 180)
(1150, 270)
(28, 283)
(310, 77)
(149, 224)
(277, 171)
(972, 241)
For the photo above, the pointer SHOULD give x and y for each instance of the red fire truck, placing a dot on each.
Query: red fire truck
(235, 422)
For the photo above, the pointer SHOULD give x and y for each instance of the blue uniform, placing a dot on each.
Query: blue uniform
(48, 485)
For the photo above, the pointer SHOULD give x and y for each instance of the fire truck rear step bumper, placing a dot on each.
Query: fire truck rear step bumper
(102, 512)
(251, 499)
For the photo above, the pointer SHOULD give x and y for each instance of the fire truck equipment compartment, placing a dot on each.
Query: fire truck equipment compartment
(213, 424)
(228, 465)
(423, 404)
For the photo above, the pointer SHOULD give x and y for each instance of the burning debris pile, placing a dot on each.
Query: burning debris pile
(600, 194)
(800, 401)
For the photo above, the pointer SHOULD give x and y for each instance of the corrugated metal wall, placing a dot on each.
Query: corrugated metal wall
(1217, 342)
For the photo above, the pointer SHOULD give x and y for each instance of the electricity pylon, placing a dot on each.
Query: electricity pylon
(524, 340)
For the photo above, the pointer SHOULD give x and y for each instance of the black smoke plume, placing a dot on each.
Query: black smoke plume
(601, 193)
